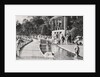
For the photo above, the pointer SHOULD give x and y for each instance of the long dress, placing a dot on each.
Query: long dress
(17, 47)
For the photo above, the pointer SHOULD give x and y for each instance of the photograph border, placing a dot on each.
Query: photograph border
(3, 57)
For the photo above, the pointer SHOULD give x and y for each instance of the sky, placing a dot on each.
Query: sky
(21, 17)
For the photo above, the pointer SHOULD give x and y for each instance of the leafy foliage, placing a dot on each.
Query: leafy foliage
(75, 26)
(36, 25)
(40, 25)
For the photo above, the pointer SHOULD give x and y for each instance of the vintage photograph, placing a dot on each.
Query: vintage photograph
(49, 37)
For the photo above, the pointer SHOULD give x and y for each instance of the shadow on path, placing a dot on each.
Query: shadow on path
(80, 57)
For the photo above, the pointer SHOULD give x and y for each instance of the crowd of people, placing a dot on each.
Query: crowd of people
(59, 38)
(63, 40)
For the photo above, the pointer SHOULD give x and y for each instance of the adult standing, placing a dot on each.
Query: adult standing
(60, 38)
(77, 50)
(17, 47)
(63, 39)
(66, 39)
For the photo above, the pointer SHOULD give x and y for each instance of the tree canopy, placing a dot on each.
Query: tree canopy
(75, 25)
(40, 25)
(36, 25)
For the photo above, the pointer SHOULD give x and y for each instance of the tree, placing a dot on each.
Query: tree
(18, 28)
(41, 24)
(47, 24)
(79, 25)
(36, 22)
(28, 27)
(76, 26)
(36, 25)
(45, 30)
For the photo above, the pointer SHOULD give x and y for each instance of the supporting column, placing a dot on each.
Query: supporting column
(65, 23)
(65, 27)
(55, 25)
(61, 23)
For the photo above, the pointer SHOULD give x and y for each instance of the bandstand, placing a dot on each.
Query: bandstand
(59, 25)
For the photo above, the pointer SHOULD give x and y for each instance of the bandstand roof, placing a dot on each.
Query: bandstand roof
(55, 17)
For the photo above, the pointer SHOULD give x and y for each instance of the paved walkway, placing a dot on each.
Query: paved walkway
(71, 48)
(31, 50)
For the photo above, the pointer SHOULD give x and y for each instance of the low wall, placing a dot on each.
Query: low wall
(25, 44)
(63, 54)
(18, 52)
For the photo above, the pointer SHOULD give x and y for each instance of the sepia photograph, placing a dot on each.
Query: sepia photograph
(49, 37)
